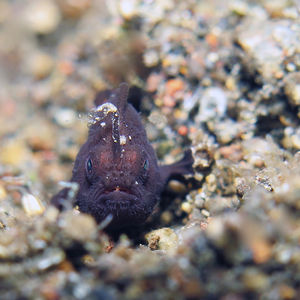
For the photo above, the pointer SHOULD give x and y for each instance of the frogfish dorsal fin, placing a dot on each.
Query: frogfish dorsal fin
(119, 97)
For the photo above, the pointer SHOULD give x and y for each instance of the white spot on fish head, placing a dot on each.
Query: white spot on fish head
(122, 139)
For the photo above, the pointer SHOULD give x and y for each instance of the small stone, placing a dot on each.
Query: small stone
(239, 7)
(255, 280)
(213, 104)
(173, 63)
(151, 58)
(173, 86)
(166, 239)
(152, 132)
(203, 156)
(211, 181)
(40, 65)
(225, 131)
(276, 8)
(292, 88)
(193, 289)
(205, 213)
(50, 258)
(51, 214)
(14, 153)
(291, 67)
(261, 250)
(296, 140)
(78, 226)
(32, 205)
(43, 16)
(199, 201)
(74, 8)
(255, 37)
(158, 119)
(255, 149)
(283, 254)
(169, 101)
(199, 176)
(231, 83)
(65, 117)
(3, 193)
(186, 207)
(128, 8)
(216, 231)
(232, 152)
(40, 134)
(287, 292)
(153, 82)
(166, 217)
(176, 186)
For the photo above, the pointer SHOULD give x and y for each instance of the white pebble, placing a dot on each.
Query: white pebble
(32, 205)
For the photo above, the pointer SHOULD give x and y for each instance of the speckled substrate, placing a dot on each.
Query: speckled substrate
(220, 76)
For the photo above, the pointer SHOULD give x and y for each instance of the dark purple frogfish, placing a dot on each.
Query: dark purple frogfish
(117, 169)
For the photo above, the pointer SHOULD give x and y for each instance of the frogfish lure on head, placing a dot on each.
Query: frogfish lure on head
(116, 168)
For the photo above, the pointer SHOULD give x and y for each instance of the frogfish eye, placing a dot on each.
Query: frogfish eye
(89, 165)
(146, 165)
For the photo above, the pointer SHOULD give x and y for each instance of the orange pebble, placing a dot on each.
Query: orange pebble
(182, 130)
(262, 251)
(173, 86)
(153, 82)
(212, 40)
(66, 67)
(193, 129)
(169, 101)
